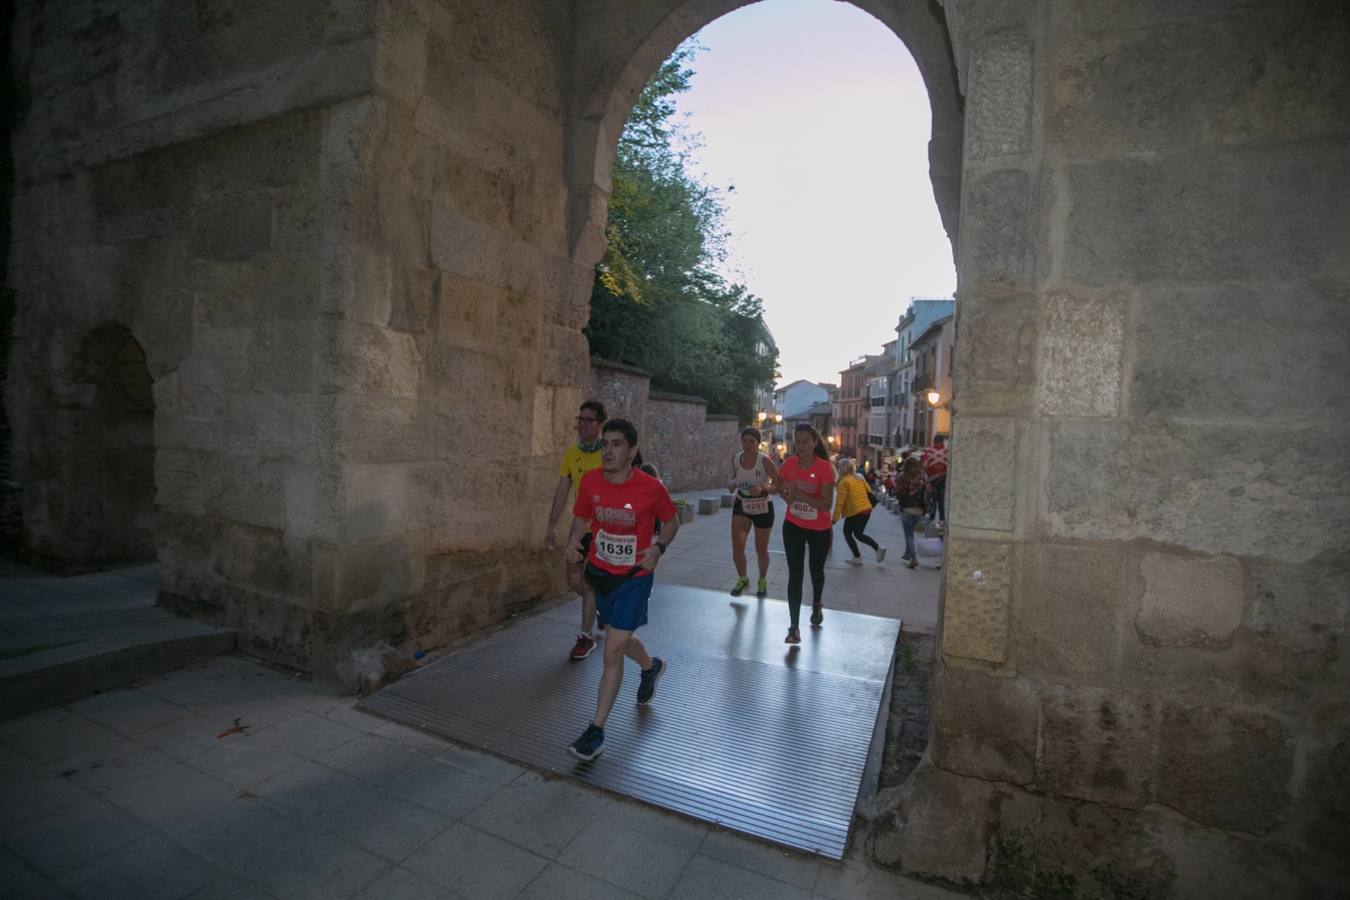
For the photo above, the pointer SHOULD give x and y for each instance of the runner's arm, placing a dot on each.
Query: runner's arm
(772, 471)
(574, 552)
(559, 500)
(652, 554)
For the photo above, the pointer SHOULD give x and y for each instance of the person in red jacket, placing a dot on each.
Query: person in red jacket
(935, 467)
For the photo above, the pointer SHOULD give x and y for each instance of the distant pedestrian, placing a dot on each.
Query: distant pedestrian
(752, 477)
(806, 482)
(577, 460)
(620, 505)
(855, 508)
(935, 467)
(912, 493)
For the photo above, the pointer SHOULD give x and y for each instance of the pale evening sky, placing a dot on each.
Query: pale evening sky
(816, 112)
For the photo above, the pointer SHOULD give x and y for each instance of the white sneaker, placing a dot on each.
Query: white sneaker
(881, 553)
(854, 561)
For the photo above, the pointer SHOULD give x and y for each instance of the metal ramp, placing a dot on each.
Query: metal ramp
(744, 731)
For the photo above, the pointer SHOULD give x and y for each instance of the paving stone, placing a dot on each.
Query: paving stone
(387, 826)
(558, 882)
(187, 737)
(711, 879)
(309, 789)
(443, 788)
(400, 884)
(152, 867)
(73, 835)
(607, 848)
(540, 815)
(22, 880)
(782, 865)
(482, 764)
(171, 798)
(57, 734)
(412, 738)
(475, 864)
(309, 735)
(230, 887)
(245, 763)
(321, 867)
(372, 759)
(105, 769)
(30, 792)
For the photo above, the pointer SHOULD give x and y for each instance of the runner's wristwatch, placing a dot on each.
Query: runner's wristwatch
(661, 546)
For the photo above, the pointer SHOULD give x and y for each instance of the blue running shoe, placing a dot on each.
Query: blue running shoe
(647, 686)
(591, 743)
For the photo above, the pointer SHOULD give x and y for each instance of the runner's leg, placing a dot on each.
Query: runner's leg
(762, 536)
(740, 527)
(794, 547)
(819, 544)
(861, 520)
(617, 646)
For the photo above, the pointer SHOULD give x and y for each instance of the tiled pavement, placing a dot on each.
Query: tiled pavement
(230, 779)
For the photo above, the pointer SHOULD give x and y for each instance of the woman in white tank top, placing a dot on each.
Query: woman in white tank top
(751, 475)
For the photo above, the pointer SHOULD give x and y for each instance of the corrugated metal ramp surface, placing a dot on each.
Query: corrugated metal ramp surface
(743, 731)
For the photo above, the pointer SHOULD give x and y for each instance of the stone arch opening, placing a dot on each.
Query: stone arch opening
(614, 62)
(114, 498)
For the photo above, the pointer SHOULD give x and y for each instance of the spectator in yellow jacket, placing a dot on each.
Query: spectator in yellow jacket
(851, 504)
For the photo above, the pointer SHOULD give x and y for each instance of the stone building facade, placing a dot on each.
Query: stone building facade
(354, 243)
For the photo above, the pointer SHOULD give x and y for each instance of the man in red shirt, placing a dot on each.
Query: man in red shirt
(935, 467)
(620, 505)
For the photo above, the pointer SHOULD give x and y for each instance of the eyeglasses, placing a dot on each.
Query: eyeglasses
(581, 419)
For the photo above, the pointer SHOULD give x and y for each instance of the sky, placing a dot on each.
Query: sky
(817, 114)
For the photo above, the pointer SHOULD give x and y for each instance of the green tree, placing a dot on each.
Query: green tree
(658, 302)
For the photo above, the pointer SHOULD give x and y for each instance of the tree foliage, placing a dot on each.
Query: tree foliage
(658, 302)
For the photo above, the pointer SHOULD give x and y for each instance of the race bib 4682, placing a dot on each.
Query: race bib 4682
(804, 511)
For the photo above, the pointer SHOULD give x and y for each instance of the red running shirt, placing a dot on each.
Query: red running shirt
(622, 518)
(810, 480)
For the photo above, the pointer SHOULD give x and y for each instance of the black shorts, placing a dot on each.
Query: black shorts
(763, 520)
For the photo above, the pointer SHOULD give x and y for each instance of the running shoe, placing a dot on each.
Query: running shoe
(817, 615)
(647, 686)
(591, 743)
(794, 636)
(881, 554)
(584, 645)
(763, 590)
(854, 561)
(741, 584)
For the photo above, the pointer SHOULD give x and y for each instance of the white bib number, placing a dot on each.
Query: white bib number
(804, 511)
(754, 506)
(616, 549)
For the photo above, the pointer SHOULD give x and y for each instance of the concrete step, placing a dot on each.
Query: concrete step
(39, 669)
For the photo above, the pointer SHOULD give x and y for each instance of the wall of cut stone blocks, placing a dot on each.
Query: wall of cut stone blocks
(690, 448)
(1146, 584)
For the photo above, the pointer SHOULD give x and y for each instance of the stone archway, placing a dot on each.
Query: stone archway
(372, 241)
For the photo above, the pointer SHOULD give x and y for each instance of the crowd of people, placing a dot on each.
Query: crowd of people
(624, 521)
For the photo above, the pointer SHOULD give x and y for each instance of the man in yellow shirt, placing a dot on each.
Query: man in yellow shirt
(579, 459)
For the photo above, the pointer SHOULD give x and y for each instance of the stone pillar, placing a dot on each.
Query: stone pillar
(1142, 683)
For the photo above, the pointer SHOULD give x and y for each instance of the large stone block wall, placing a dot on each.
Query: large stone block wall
(1143, 676)
(690, 448)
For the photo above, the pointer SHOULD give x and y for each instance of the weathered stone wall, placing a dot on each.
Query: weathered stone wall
(1143, 681)
(690, 448)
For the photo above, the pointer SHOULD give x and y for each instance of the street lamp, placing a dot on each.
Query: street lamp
(933, 397)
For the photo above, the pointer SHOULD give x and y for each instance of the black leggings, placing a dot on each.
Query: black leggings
(853, 528)
(796, 540)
